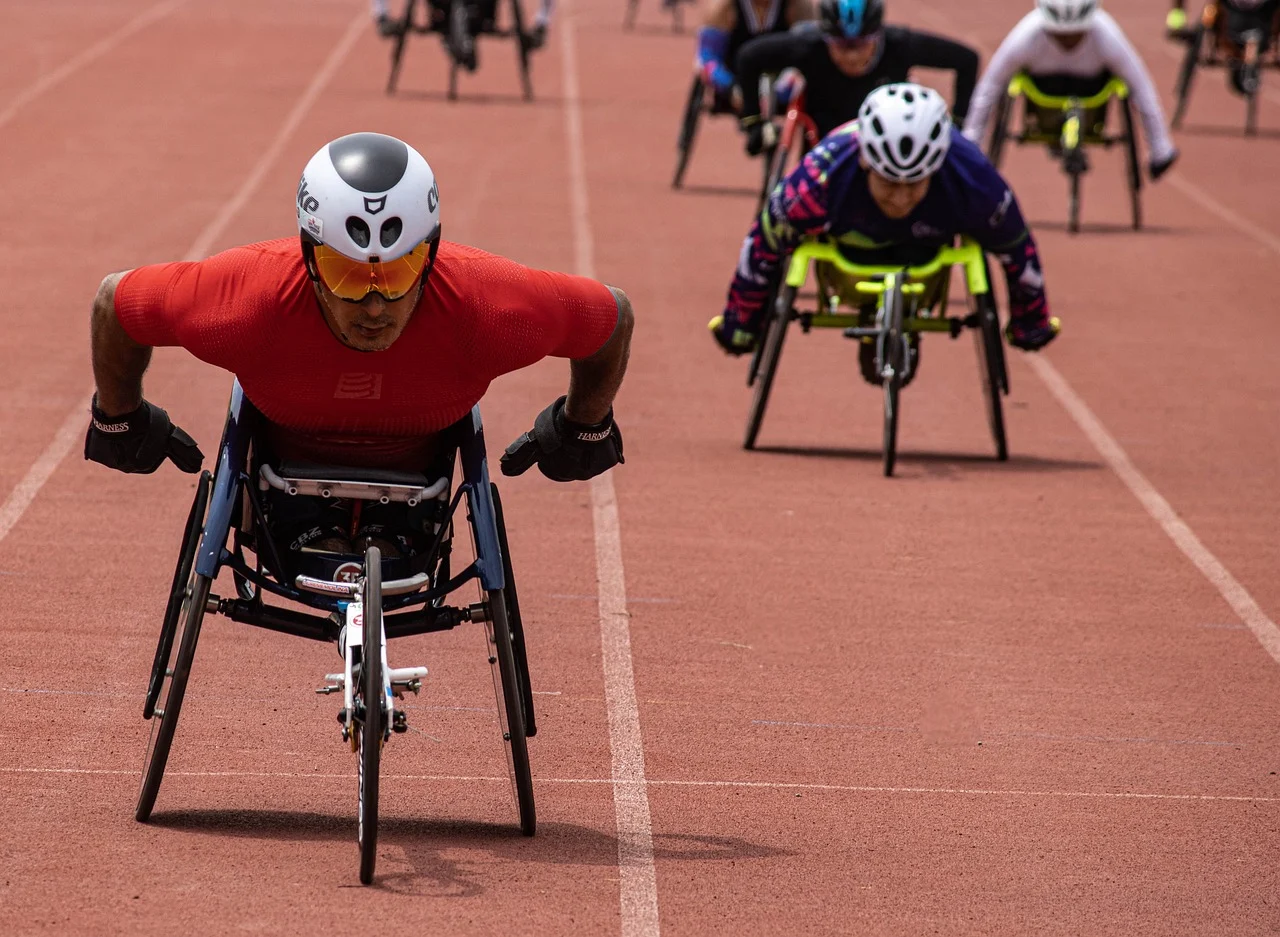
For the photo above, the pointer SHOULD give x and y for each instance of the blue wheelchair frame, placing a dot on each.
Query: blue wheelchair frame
(232, 478)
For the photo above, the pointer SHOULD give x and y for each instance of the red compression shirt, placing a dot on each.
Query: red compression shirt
(252, 311)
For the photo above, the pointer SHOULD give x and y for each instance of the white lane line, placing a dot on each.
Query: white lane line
(742, 785)
(637, 878)
(214, 229)
(1213, 206)
(89, 55)
(1263, 628)
(39, 473)
(71, 430)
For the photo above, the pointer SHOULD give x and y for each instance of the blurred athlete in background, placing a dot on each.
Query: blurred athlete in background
(1070, 48)
(727, 27)
(843, 58)
(895, 186)
(474, 18)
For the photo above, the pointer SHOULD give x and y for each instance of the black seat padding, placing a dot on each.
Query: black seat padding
(346, 473)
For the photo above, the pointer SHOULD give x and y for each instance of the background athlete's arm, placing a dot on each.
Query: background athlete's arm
(1009, 59)
(118, 361)
(1123, 60)
(713, 43)
(926, 50)
(594, 381)
(764, 55)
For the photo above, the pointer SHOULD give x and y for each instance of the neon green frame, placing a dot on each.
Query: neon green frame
(877, 279)
(1022, 86)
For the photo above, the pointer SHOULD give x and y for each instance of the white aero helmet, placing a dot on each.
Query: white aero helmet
(1067, 16)
(369, 215)
(904, 131)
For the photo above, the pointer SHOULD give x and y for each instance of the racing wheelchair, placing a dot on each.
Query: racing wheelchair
(1067, 125)
(706, 99)
(677, 14)
(478, 18)
(1210, 43)
(796, 137)
(907, 302)
(358, 600)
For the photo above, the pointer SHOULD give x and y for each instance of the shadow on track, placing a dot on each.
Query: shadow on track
(454, 858)
(1109, 227)
(488, 98)
(936, 463)
(721, 191)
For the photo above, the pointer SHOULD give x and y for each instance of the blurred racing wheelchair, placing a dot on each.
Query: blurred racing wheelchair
(357, 599)
(885, 308)
(460, 23)
(1069, 114)
(1236, 37)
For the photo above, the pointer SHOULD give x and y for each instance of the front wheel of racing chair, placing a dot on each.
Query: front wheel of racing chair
(778, 318)
(891, 359)
(1073, 162)
(688, 129)
(1186, 75)
(369, 724)
(186, 607)
(992, 367)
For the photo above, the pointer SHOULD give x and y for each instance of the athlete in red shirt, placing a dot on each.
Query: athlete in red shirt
(364, 338)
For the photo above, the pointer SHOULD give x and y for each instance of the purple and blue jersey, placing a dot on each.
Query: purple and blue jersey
(828, 195)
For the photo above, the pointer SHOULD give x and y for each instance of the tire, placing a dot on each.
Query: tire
(991, 370)
(522, 50)
(893, 353)
(1251, 114)
(177, 592)
(370, 720)
(629, 18)
(513, 616)
(753, 369)
(507, 690)
(164, 722)
(1000, 132)
(1186, 75)
(397, 47)
(688, 129)
(1132, 165)
(775, 334)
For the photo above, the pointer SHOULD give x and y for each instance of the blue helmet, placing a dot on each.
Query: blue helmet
(849, 19)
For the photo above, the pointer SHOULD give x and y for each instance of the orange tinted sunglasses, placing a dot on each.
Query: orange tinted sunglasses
(353, 280)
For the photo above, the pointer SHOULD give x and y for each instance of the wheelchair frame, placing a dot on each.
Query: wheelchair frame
(677, 15)
(227, 516)
(411, 23)
(1206, 43)
(900, 292)
(797, 127)
(1073, 136)
(702, 100)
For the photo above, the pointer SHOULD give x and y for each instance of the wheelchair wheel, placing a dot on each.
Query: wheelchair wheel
(753, 369)
(164, 722)
(629, 18)
(688, 129)
(397, 46)
(517, 625)
(177, 592)
(991, 369)
(1073, 203)
(1000, 131)
(522, 50)
(506, 686)
(892, 361)
(370, 719)
(1182, 89)
(1132, 166)
(1251, 114)
(771, 343)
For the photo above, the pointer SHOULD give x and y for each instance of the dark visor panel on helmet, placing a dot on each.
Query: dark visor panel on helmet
(353, 280)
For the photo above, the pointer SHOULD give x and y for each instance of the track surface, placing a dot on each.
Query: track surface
(975, 699)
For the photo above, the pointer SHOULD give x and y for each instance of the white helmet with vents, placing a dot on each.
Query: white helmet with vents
(904, 131)
(370, 197)
(1067, 16)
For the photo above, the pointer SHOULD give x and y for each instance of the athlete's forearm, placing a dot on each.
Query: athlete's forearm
(930, 51)
(594, 381)
(762, 55)
(118, 361)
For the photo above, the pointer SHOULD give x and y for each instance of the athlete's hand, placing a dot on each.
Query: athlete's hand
(138, 442)
(1031, 327)
(733, 340)
(761, 135)
(1158, 167)
(565, 451)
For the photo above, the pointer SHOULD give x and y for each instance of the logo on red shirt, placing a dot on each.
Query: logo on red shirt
(353, 385)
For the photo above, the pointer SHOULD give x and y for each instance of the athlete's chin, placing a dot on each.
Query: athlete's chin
(363, 339)
(896, 214)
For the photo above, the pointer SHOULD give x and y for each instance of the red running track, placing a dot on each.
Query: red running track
(973, 699)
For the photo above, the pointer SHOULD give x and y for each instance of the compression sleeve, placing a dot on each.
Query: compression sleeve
(995, 221)
(929, 51)
(712, 45)
(765, 55)
(1010, 58)
(796, 209)
(543, 17)
(1122, 59)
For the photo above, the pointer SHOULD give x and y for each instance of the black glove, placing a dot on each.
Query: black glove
(565, 451)
(139, 441)
(761, 135)
(1158, 167)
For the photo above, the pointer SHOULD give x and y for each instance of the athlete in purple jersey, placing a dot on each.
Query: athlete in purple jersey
(894, 186)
